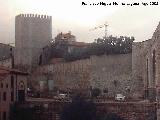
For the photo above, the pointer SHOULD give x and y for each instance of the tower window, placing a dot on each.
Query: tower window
(12, 96)
(4, 96)
(154, 66)
(4, 115)
(12, 81)
(1, 85)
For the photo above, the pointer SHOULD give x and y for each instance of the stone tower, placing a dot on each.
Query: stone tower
(32, 33)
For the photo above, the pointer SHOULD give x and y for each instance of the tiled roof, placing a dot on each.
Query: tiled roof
(3, 74)
(4, 71)
(9, 70)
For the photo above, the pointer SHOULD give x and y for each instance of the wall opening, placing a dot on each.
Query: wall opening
(154, 66)
(147, 77)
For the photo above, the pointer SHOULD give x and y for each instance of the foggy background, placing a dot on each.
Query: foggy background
(70, 15)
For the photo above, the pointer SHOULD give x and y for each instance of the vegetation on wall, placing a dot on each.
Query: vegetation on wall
(20, 111)
(79, 109)
(82, 109)
(101, 46)
(108, 46)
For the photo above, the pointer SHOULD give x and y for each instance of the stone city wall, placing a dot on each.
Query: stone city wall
(112, 73)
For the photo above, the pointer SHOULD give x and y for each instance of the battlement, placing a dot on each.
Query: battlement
(34, 16)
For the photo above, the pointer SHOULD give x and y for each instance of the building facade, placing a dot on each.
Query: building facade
(65, 38)
(13, 86)
(145, 65)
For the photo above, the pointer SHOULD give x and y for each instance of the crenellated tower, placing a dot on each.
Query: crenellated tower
(32, 33)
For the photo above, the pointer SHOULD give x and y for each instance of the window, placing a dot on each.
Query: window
(147, 84)
(12, 81)
(12, 96)
(40, 60)
(1, 85)
(6, 85)
(105, 90)
(154, 66)
(4, 116)
(4, 96)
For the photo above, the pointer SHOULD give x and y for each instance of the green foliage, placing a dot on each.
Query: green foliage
(25, 112)
(79, 109)
(21, 113)
(110, 45)
(76, 54)
(109, 116)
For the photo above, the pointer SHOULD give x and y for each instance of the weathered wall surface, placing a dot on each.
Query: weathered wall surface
(5, 89)
(112, 72)
(129, 111)
(146, 64)
(32, 33)
(125, 110)
(153, 56)
(65, 76)
(9, 86)
(140, 65)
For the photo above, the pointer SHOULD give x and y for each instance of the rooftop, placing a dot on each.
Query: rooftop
(5, 70)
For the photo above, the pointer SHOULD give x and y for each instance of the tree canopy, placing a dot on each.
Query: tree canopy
(108, 46)
(79, 109)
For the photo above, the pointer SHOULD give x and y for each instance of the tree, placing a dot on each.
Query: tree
(101, 46)
(20, 111)
(109, 116)
(79, 109)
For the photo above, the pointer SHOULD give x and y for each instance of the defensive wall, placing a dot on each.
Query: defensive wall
(146, 65)
(32, 33)
(112, 74)
(126, 110)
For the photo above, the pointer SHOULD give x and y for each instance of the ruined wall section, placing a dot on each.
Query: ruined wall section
(32, 33)
(156, 47)
(154, 56)
(146, 64)
(140, 64)
(112, 73)
(65, 76)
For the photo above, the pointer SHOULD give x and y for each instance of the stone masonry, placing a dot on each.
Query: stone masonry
(32, 33)
(112, 73)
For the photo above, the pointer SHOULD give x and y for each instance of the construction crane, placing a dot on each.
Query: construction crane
(101, 26)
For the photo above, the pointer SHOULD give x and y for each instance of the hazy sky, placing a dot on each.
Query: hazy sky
(69, 15)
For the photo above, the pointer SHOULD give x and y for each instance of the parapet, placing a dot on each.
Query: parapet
(34, 16)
